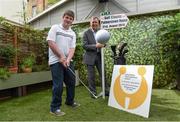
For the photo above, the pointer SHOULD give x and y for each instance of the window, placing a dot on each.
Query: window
(34, 11)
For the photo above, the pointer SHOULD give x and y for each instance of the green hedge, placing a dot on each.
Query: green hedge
(144, 46)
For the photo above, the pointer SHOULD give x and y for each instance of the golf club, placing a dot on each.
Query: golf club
(83, 83)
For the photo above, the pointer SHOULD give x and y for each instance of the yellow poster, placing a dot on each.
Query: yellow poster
(131, 88)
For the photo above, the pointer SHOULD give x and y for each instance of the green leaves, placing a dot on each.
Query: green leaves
(28, 61)
(4, 74)
(152, 40)
(169, 37)
(51, 2)
(7, 52)
(78, 56)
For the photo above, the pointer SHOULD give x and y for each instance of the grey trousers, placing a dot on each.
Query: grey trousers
(91, 75)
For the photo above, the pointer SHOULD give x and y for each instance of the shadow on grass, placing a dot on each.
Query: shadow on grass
(164, 108)
(177, 92)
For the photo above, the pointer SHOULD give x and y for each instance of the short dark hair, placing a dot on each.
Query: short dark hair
(69, 13)
(95, 17)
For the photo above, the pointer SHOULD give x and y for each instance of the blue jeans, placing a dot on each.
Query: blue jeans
(60, 74)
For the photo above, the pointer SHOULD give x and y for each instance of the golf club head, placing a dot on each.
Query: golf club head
(121, 47)
(124, 52)
(113, 48)
(100, 94)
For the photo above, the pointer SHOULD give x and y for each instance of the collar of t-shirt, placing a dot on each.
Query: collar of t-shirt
(60, 25)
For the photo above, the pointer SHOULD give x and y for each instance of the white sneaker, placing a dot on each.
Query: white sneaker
(58, 112)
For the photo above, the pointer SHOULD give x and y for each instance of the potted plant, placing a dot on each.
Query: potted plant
(27, 63)
(8, 53)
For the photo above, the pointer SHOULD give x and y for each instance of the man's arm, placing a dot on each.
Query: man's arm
(86, 45)
(90, 47)
(56, 51)
(70, 55)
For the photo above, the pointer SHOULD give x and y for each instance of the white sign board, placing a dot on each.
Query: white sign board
(131, 88)
(113, 21)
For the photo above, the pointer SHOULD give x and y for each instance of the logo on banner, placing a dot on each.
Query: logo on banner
(130, 87)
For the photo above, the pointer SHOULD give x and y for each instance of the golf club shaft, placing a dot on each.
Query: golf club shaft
(82, 82)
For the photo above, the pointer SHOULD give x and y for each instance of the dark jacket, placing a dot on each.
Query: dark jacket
(89, 44)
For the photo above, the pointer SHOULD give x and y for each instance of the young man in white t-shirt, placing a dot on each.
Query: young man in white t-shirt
(62, 42)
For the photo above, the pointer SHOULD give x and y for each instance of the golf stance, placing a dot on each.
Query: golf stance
(62, 42)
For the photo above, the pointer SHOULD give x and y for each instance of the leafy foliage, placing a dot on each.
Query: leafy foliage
(33, 41)
(28, 40)
(51, 2)
(7, 52)
(78, 57)
(4, 73)
(28, 61)
(169, 35)
(144, 45)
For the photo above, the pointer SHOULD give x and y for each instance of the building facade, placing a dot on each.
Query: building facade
(34, 7)
(12, 10)
(84, 9)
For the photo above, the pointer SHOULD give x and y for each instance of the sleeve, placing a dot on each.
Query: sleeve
(52, 34)
(73, 43)
(86, 45)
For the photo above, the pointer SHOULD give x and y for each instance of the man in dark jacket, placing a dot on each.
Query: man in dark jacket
(92, 56)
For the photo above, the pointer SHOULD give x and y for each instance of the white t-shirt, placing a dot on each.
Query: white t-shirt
(65, 39)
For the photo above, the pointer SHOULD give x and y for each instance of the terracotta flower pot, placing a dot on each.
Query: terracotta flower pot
(13, 69)
(27, 70)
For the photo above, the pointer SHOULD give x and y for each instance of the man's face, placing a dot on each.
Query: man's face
(94, 24)
(67, 20)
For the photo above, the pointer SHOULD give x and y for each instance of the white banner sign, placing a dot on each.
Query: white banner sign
(131, 88)
(114, 21)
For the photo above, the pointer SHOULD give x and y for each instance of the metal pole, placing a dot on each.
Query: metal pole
(103, 78)
(102, 64)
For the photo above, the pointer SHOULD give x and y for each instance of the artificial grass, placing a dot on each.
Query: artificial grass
(165, 106)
